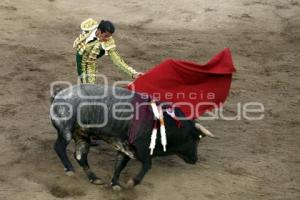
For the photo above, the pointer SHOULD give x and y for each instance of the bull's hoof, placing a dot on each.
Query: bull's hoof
(93, 178)
(117, 188)
(130, 184)
(97, 181)
(69, 173)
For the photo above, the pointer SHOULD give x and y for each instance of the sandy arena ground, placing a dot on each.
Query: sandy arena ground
(252, 160)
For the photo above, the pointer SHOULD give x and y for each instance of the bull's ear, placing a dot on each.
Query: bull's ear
(203, 131)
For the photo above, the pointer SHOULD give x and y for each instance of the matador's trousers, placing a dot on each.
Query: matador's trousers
(86, 71)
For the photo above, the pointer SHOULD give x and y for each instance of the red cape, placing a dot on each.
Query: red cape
(194, 88)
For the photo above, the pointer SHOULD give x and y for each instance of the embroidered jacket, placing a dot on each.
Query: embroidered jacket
(93, 49)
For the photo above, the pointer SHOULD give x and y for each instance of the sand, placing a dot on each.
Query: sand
(251, 160)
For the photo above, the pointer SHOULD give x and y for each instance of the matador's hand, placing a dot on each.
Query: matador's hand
(137, 75)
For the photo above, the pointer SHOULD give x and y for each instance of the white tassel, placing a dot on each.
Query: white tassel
(162, 130)
(155, 109)
(163, 137)
(158, 114)
(153, 140)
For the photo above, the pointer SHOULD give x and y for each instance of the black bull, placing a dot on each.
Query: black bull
(88, 111)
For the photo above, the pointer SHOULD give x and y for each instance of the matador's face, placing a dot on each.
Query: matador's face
(103, 36)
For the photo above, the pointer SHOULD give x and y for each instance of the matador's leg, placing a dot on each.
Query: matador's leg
(79, 66)
(91, 73)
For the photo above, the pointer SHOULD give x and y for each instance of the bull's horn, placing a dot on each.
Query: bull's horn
(204, 130)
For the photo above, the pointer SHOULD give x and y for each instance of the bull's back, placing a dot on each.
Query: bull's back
(98, 107)
(92, 91)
